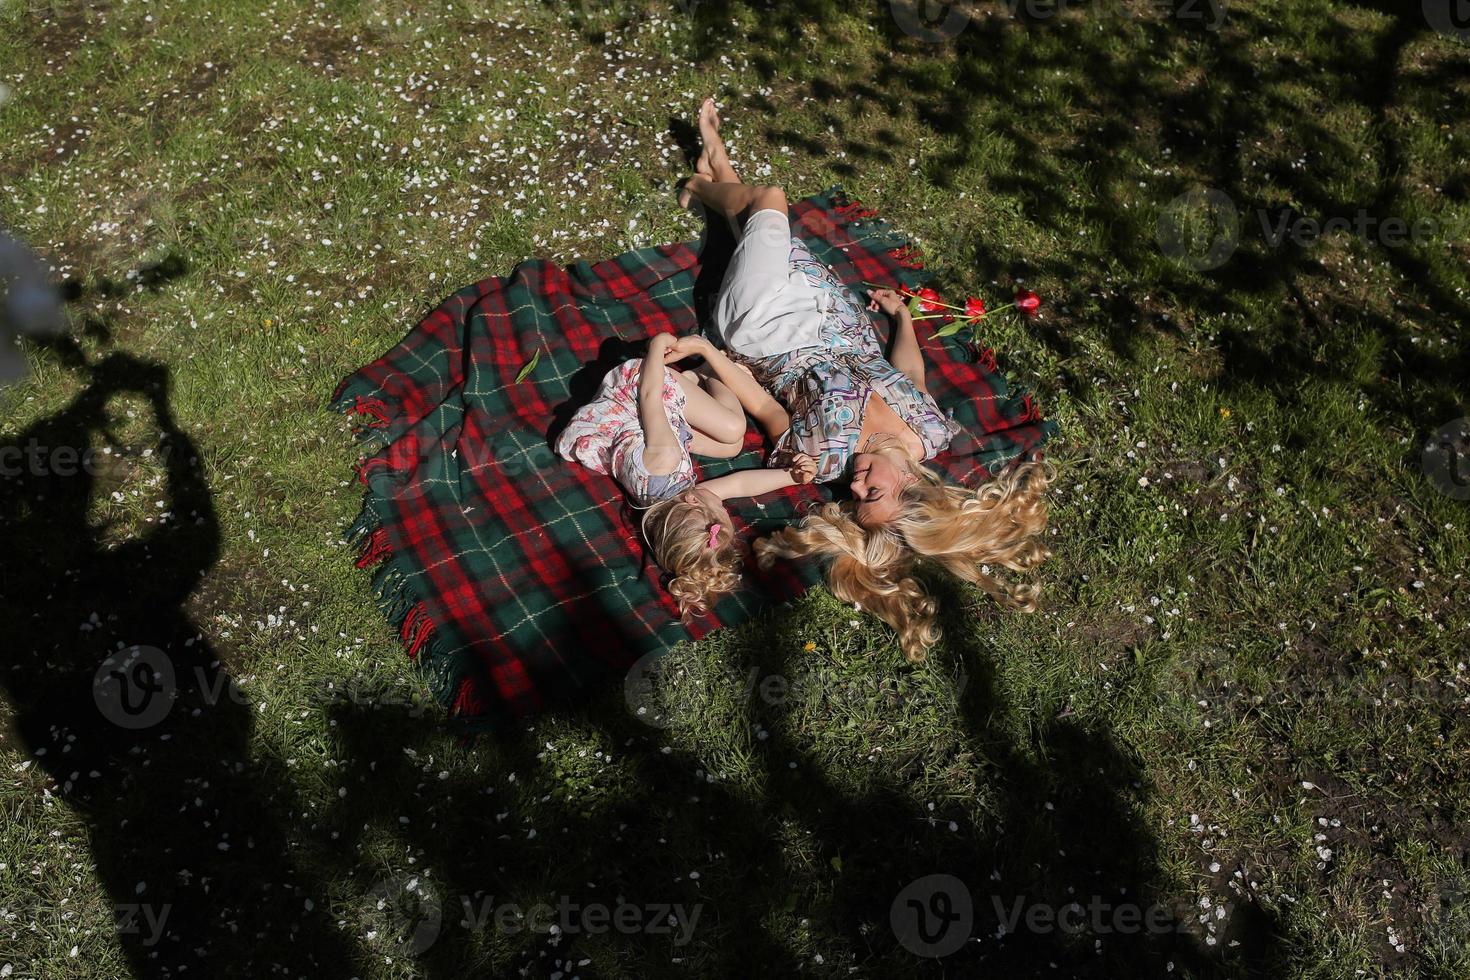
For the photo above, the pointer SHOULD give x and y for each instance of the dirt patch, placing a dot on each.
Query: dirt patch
(1375, 829)
(329, 49)
(58, 29)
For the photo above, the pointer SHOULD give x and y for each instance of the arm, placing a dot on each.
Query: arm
(767, 412)
(753, 483)
(748, 483)
(906, 357)
(660, 445)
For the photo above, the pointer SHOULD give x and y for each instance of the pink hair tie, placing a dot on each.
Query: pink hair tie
(714, 532)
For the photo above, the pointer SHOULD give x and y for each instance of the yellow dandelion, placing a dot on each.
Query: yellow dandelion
(810, 646)
(1224, 413)
(267, 323)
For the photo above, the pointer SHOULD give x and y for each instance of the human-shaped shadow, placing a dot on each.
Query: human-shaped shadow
(122, 701)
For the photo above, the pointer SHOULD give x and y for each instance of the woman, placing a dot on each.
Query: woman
(864, 418)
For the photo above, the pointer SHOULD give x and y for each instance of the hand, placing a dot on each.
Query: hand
(802, 469)
(690, 345)
(887, 300)
(660, 343)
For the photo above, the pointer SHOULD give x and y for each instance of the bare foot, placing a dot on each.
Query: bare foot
(686, 196)
(709, 134)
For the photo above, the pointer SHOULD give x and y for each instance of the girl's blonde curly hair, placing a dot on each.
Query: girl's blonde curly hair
(964, 531)
(678, 533)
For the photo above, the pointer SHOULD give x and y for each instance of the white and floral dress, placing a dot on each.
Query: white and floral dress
(825, 386)
(606, 435)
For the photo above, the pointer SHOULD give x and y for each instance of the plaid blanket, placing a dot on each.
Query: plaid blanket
(517, 579)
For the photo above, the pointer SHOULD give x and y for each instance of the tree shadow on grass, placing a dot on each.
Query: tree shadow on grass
(119, 697)
(795, 860)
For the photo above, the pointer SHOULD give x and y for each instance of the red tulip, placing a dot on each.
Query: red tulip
(974, 308)
(929, 300)
(1027, 302)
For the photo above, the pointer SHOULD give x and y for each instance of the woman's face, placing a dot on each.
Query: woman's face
(877, 485)
(712, 504)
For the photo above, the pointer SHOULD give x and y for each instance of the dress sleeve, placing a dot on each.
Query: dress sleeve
(942, 432)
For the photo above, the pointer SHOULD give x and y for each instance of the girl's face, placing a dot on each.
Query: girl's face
(713, 506)
(877, 486)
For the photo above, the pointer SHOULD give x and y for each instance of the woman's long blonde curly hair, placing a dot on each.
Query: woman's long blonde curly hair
(678, 535)
(967, 532)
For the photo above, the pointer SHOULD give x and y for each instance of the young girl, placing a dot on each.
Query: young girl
(641, 429)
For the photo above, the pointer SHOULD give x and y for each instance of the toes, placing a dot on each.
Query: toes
(709, 115)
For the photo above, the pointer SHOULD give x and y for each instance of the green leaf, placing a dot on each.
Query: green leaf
(951, 328)
(837, 863)
(914, 306)
(530, 366)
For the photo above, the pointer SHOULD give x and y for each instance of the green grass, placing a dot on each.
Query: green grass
(1251, 646)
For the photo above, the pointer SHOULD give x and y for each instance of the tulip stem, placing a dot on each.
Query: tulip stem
(967, 319)
(904, 291)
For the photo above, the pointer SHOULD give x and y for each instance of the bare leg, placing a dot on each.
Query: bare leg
(722, 394)
(713, 153)
(715, 417)
(736, 201)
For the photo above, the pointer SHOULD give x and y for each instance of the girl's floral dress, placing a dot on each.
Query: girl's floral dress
(606, 435)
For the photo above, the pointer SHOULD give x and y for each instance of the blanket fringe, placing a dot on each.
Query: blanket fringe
(417, 630)
(985, 358)
(375, 409)
(854, 211)
(370, 415)
(405, 612)
(909, 256)
(858, 224)
(1032, 412)
(377, 548)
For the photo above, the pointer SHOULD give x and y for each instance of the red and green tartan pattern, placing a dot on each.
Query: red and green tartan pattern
(518, 580)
